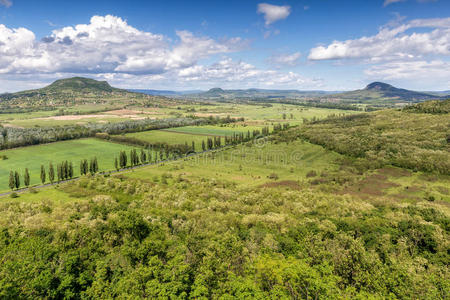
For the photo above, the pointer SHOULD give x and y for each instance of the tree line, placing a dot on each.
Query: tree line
(12, 137)
(63, 171)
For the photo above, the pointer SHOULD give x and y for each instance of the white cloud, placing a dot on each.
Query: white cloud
(109, 49)
(228, 73)
(414, 70)
(285, 59)
(273, 13)
(387, 2)
(6, 3)
(392, 43)
(106, 44)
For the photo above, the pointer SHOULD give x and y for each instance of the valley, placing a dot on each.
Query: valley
(211, 199)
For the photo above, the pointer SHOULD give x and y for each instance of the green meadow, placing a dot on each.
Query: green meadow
(32, 157)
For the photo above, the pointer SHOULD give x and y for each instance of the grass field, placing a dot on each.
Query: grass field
(171, 138)
(249, 166)
(33, 156)
(227, 130)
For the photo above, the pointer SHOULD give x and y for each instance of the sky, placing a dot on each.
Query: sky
(196, 45)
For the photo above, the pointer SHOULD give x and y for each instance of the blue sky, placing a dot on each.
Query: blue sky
(179, 45)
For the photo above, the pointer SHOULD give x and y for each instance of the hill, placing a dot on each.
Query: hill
(74, 85)
(383, 93)
(413, 139)
(75, 90)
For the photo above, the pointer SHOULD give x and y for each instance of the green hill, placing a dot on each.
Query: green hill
(70, 91)
(409, 139)
(74, 85)
(383, 93)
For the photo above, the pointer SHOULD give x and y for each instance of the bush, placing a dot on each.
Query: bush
(14, 195)
(273, 176)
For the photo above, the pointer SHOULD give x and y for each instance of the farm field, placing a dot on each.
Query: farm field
(274, 112)
(32, 157)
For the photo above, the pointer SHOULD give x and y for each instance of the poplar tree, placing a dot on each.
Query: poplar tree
(26, 178)
(116, 164)
(51, 173)
(42, 174)
(70, 170)
(143, 156)
(17, 179)
(59, 172)
(12, 180)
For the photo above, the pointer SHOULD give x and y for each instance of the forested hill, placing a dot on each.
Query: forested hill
(430, 107)
(70, 91)
(408, 139)
(71, 86)
(383, 92)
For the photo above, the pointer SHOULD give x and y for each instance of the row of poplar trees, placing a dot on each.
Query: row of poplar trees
(64, 171)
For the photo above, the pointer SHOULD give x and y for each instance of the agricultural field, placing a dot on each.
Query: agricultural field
(32, 157)
(294, 114)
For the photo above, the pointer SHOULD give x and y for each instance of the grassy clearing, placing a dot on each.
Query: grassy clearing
(249, 166)
(33, 156)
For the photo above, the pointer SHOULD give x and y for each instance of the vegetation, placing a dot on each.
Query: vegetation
(325, 209)
(430, 107)
(409, 140)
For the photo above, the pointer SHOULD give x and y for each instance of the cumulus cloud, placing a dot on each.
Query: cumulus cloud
(108, 48)
(6, 3)
(273, 13)
(285, 59)
(414, 70)
(106, 44)
(392, 43)
(227, 72)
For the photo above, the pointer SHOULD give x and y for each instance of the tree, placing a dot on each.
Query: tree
(70, 170)
(12, 180)
(59, 172)
(26, 178)
(116, 164)
(51, 173)
(95, 164)
(193, 146)
(17, 179)
(143, 156)
(42, 174)
(66, 170)
(203, 145)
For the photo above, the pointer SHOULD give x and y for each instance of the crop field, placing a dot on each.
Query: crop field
(32, 157)
(293, 114)
(226, 130)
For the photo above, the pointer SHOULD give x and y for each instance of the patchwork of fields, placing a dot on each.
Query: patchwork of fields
(33, 157)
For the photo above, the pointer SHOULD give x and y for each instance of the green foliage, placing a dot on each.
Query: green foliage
(408, 140)
(192, 239)
(430, 107)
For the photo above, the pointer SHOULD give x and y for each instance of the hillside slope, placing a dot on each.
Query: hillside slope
(73, 90)
(418, 141)
(379, 92)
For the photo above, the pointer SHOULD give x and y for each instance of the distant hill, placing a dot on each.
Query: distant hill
(74, 85)
(72, 90)
(383, 92)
